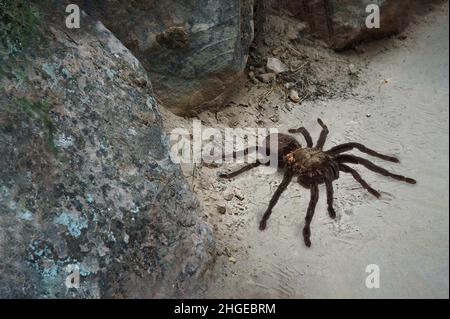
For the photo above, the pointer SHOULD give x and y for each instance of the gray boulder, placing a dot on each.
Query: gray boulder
(341, 23)
(86, 183)
(194, 50)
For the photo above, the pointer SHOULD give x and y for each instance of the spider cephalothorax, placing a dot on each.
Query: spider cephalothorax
(312, 163)
(313, 166)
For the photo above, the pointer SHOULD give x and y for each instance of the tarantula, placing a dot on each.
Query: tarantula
(313, 166)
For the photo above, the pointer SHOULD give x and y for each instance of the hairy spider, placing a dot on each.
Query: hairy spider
(313, 166)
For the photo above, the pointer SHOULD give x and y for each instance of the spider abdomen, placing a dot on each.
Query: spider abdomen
(283, 146)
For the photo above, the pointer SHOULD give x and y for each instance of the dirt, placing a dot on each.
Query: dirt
(390, 95)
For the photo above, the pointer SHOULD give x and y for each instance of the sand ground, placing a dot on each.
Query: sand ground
(400, 107)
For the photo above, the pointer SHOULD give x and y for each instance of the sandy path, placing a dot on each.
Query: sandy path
(402, 109)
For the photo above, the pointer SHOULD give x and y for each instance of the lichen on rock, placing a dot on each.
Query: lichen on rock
(85, 177)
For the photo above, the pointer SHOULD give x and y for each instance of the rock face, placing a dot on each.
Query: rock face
(85, 178)
(341, 23)
(194, 50)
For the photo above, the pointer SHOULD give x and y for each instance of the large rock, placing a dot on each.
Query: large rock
(85, 177)
(341, 23)
(194, 50)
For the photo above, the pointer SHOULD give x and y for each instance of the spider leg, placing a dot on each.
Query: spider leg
(359, 179)
(276, 196)
(305, 133)
(375, 168)
(243, 152)
(241, 170)
(310, 213)
(349, 146)
(329, 187)
(323, 135)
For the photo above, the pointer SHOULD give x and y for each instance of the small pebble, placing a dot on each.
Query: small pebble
(352, 69)
(267, 77)
(252, 77)
(239, 196)
(276, 66)
(293, 96)
(228, 196)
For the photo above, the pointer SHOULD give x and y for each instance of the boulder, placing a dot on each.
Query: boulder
(341, 23)
(195, 51)
(347, 24)
(87, 188)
